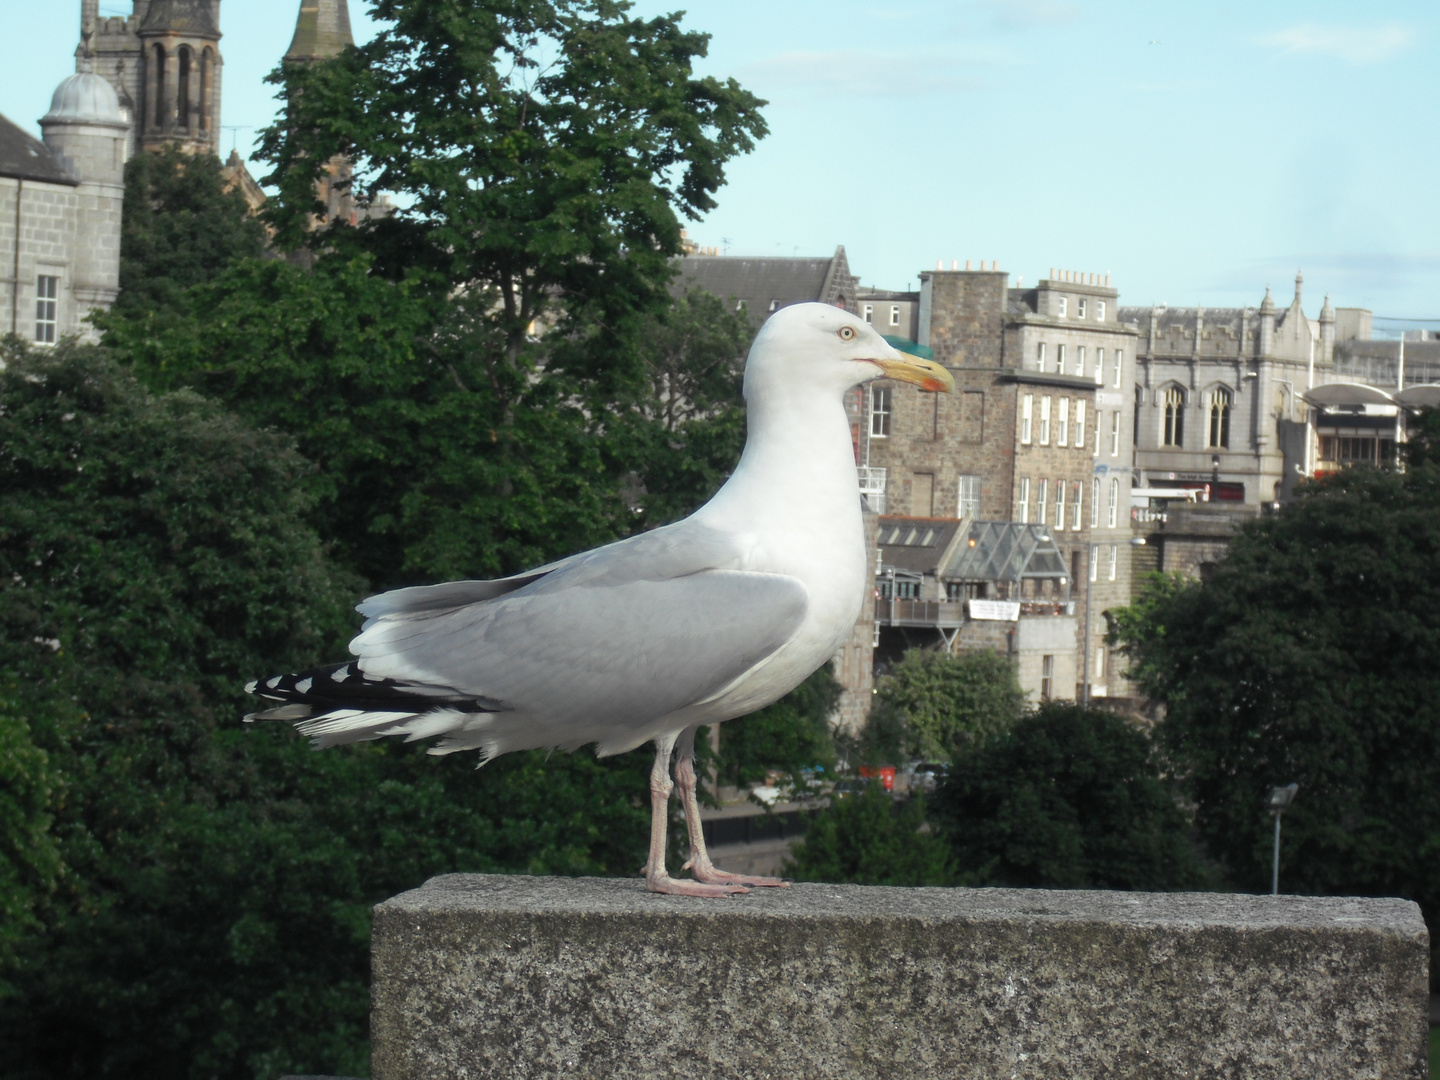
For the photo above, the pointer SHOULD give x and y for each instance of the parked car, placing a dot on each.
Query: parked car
(928, 774)
(851, 785)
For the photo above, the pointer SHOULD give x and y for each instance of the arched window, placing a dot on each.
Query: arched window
(1173, 433)
(1220, 418)
(206, 59)
(182, 90)
(160, 86)
(1112, 516)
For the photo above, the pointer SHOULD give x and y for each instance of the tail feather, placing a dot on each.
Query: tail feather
(340, 704)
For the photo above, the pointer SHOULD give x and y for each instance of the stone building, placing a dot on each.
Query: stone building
(60, 207)
(1025, 441)
(164, 62)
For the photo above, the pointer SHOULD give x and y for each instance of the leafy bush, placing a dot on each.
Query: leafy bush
(870, 839)
(935, 705)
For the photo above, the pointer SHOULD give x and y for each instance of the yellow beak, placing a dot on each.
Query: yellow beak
(926, 374)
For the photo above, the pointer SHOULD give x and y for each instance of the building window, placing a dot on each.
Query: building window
(1094, 562)
(1080, 360)
(1047, 676)
(1095, 502)
(159, 55)
(47, 309)
(1077, 491)
(1119, 356)
(205, 64)
(1115, 433)
(1099, 310)
(1080, 425)
(1042, 502)
(1062, 426)
(1045, 420)
(894, 314)
(1114, 558)
(1027, 406)
(182, 91)
(1173, 432)
(1040, 357)
(1060, 359)
(1060, 505)
(1080, 308)
(879, 412)
(969, 497)
(1220, 418)
(868, 313)
(1112, 512)
(774, 306)
(1024, 500)
(1064, 304)
(1099, 367)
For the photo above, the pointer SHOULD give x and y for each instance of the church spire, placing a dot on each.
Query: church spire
(322, 30)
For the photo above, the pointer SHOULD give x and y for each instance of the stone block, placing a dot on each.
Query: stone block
(489, 976)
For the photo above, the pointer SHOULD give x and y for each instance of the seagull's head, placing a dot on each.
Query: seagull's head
(817, 347)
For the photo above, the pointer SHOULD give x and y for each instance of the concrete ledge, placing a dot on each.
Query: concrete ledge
(487, 976)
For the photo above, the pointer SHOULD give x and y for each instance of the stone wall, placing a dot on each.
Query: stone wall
(478, 976)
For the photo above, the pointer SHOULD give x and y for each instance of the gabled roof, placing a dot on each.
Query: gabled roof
(23, 157)
(321, 31)
(759, 283)
(916, 544)
(182, 17)
(1005, 551)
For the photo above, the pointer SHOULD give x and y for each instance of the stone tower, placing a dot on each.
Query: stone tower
(322, 31)
(164, 63)
(88, 131)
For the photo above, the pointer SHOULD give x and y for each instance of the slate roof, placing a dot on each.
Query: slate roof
(916, 544)
(322, 31)
(760, 282)
(181, 16)
(23, 157)
(1171, 318)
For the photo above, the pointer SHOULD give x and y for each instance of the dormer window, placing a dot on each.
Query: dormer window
(1080, 308)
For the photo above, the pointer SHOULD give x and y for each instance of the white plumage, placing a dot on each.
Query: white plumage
(651, 637)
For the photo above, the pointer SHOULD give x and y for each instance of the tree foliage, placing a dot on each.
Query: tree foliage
(870, 839)
(209, 914)
(1312, 655)
(1067, 798)
(792, 734)
(179, 228)
(936, 706)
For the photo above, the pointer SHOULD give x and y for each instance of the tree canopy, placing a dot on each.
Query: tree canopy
(1068, 798)
(935, 705)
(870, 839)
(1311, 655)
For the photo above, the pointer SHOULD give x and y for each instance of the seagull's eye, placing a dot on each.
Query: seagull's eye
(847, 333)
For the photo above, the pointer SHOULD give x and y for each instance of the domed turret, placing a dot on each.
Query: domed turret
(86, 98)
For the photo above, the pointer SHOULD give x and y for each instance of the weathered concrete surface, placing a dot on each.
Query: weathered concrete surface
(481, 976)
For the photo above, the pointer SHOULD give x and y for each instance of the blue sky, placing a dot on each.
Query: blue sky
(1196, 151)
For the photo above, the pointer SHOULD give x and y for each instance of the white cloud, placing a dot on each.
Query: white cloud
(859, 74)
(1354, 45)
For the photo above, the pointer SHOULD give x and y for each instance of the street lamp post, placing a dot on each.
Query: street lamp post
(1280, 800)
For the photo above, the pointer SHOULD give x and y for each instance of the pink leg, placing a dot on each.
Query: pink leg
(700, 865)
(657, 878)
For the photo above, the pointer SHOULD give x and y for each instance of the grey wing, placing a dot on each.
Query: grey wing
(577, 664)
(685, 547)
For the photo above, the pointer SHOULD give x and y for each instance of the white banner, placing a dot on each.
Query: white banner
(1000, 610)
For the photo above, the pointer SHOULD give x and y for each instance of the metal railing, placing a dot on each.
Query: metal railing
(872, 486)
(919, 612)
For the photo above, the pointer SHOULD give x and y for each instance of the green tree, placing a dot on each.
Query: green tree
(792, 734)
(692, 414)
(180, 228)
(936, 706)
(542, 149)
(871, 839)
(209, 915)
(1068, 798)
(1311, 655)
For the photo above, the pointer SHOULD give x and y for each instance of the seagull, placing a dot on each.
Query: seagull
(649, 638)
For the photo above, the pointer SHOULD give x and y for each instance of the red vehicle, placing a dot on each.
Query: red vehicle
(886, 773)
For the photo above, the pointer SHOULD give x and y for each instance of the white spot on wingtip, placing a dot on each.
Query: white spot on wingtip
(250, 688)
(303, 686)
(273, 683)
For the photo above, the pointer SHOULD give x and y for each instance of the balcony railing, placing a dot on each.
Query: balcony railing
(872, 486)
(891, 612)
